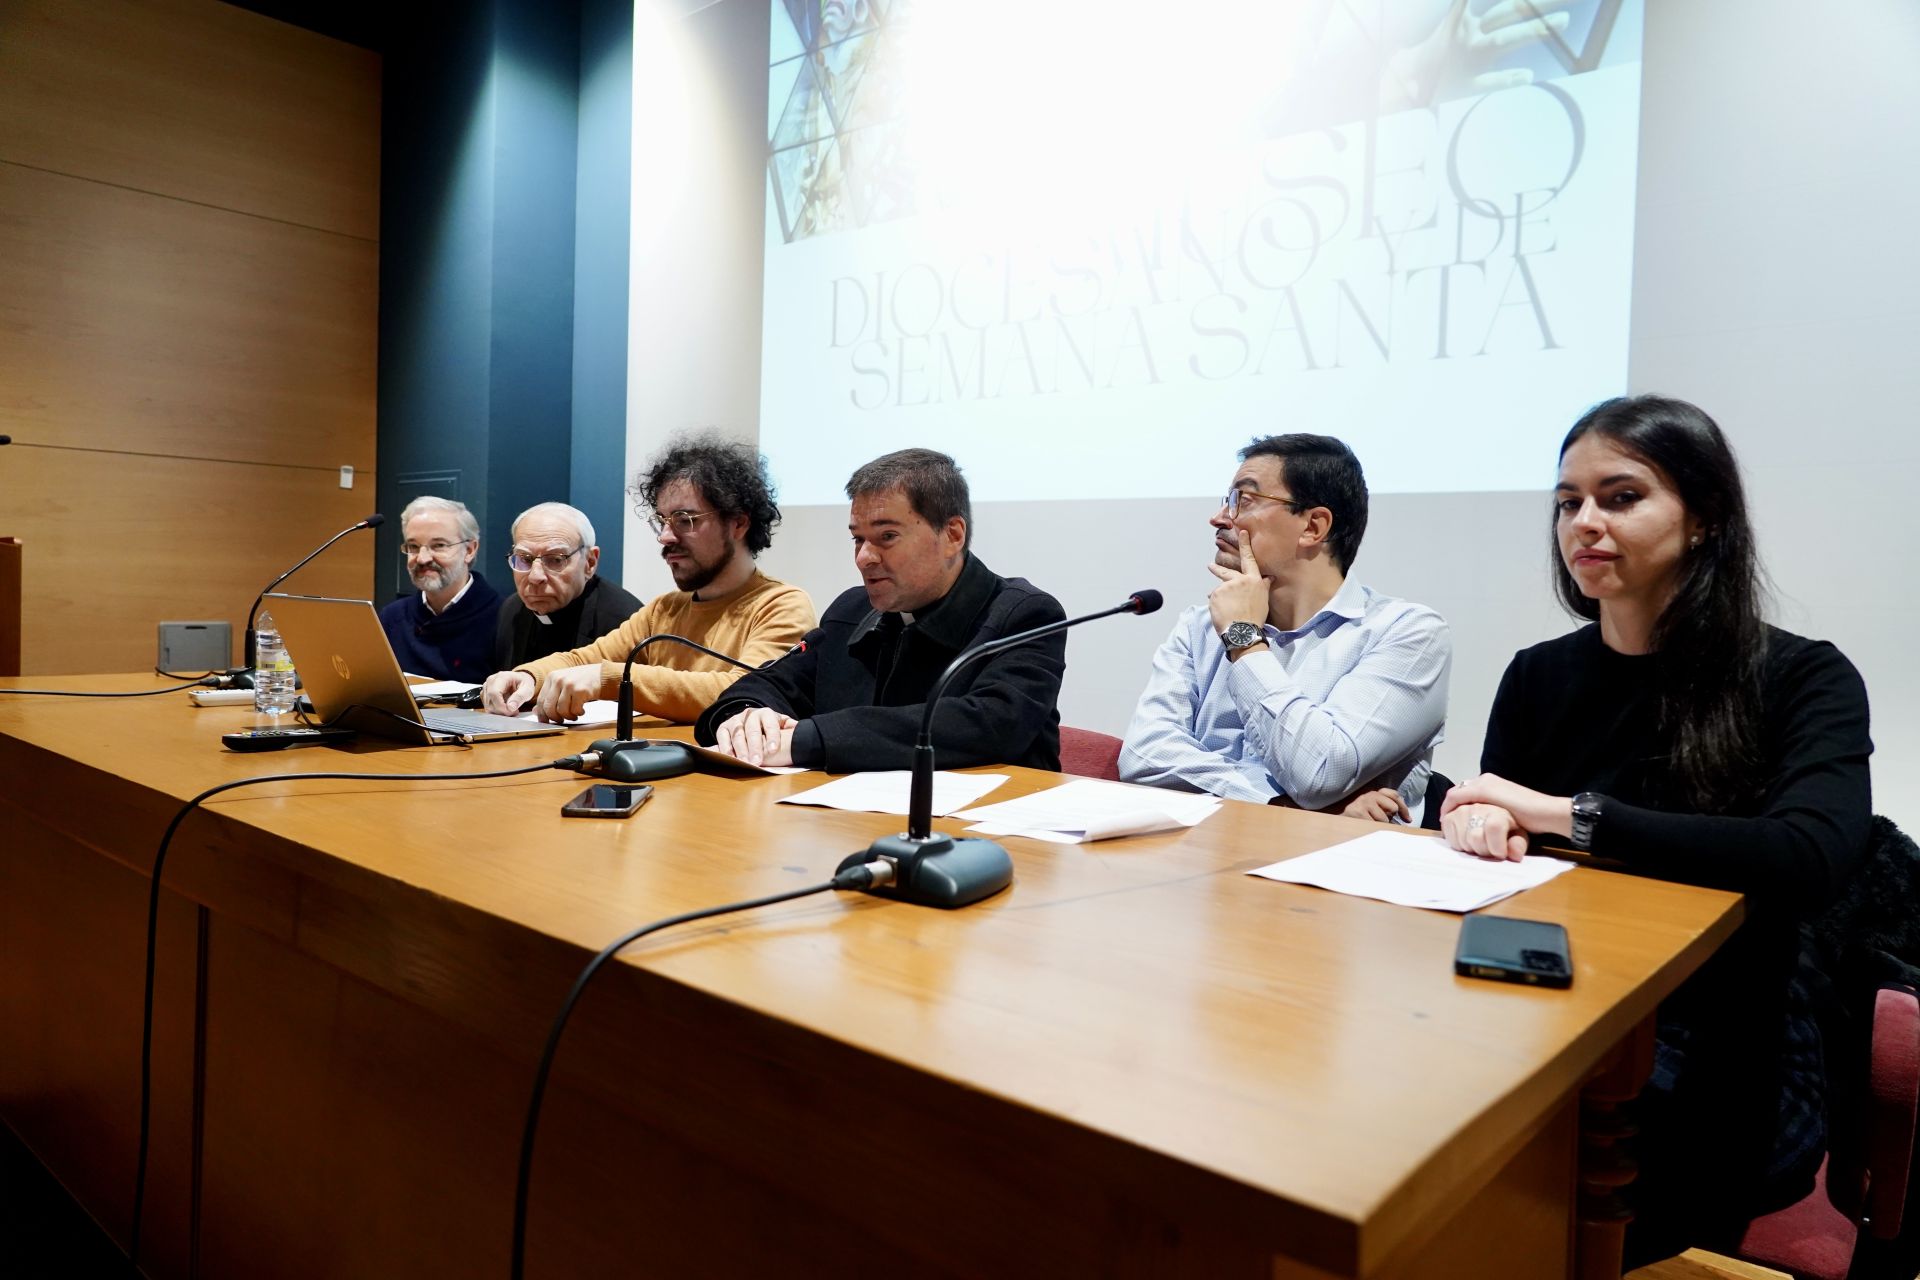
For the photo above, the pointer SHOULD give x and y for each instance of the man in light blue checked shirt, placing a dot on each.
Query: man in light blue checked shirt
(1292, 685)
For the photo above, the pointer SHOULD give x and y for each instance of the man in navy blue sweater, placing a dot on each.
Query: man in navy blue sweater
(445, 632)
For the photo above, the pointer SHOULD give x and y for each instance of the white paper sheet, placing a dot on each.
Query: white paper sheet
(439, 688)
(1092, 809)
(888, 792)
(597, 714)
(734, 764)
(1413, 871)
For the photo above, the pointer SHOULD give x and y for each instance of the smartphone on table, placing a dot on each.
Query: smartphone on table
(607, 800)
(1507, 950)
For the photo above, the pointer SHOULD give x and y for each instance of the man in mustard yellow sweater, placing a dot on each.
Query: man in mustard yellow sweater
(712, 510)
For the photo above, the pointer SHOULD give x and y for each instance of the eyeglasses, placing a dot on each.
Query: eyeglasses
(1237, 496)
(683, 522)
(553, 561)
(439, 547)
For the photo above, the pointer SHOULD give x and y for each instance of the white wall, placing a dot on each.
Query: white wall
(1776, 283)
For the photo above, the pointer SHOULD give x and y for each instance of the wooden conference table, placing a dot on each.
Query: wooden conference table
(1138, 1061)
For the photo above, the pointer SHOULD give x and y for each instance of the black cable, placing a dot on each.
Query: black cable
(181, 675)
(153, 921)
(860, 877)
(79, 693)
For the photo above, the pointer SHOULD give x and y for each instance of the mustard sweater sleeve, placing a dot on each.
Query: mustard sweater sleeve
(611, 647)
(756, 627)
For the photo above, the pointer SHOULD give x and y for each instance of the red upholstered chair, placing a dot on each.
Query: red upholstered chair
(1089, 754)
(1862, 1188)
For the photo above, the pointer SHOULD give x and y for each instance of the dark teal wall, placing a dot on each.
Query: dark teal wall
(602, 243)
(503, 188)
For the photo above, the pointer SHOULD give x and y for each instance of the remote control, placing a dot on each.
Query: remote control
(281, 739)
(221, 697)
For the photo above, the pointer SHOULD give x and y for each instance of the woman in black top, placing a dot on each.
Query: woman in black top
(1683, 736)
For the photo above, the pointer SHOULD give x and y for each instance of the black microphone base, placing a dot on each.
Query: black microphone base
(939, 871)
(623, 761)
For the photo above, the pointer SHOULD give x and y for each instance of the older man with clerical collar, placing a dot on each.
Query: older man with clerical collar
(853, 699)
(446, 631)
(712, 509)
(560, 602)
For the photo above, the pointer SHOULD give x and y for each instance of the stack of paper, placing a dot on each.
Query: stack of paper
(423, 688)
(1089, 809)
(889, 791)
(1414, 871)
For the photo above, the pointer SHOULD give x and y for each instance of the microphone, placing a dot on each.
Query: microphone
(625, 759)
(373, 521)
(937, 870)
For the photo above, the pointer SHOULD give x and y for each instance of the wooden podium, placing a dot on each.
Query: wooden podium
(10, 557)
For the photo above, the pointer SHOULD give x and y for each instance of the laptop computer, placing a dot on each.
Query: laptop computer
(354, 680)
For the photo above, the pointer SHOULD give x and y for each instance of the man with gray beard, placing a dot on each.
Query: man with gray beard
(446, 631)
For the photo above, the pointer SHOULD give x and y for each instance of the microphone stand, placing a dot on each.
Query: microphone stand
(253, 613)
(626, 759)
(937, 870)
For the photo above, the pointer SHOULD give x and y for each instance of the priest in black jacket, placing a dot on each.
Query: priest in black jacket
(560, 602)
(853, 698)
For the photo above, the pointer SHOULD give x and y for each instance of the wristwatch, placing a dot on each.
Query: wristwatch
(1240, 635)
(1586, 816)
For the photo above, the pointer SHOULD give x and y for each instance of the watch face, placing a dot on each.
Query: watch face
(1241, 634)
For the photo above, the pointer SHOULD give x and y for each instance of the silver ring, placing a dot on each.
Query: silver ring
(1476, 822)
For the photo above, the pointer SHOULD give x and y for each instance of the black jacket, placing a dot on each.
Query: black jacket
(519, 636)
(860, 686)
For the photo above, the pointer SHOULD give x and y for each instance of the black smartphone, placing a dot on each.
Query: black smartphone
(1509, 950)
(606, 800)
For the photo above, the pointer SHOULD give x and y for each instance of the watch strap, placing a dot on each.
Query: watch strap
(1586, 818)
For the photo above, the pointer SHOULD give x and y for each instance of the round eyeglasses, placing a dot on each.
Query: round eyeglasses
(683, 522)
(553, 561)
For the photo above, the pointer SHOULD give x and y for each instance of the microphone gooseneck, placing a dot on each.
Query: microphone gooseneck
(373, 521)
(938, 870)
(625, 725)
(626, 759)
(920, 803)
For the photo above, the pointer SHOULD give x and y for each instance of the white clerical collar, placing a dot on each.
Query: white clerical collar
(456, 598)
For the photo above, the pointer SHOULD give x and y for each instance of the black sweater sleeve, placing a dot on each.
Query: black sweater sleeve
(1813, 823)
(991, 715)
(786, 687)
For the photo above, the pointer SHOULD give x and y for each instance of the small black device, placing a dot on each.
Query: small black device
(1508, 950)
(606, 800)
(281, 739)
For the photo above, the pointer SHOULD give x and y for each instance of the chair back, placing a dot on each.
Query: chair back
(1089, 754)
(1893, 1101)
(1849, 1225)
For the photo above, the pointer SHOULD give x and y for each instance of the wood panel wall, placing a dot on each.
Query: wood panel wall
(189, 255)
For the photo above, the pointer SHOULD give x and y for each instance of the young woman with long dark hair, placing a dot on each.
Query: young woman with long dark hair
(1685, 737)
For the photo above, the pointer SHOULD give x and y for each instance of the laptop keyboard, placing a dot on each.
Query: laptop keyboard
(441, 721)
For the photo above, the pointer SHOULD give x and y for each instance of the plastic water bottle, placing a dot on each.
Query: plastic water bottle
(272, 670)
